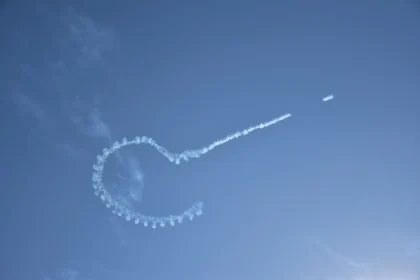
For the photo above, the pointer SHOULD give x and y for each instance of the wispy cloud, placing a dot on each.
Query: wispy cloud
(80, 45)
(90, 121)
(336, 255)
(42, 123)
(83, 45)
(98, 127)
(29, 107)
(88, 117)
(339, 256)
(129, 185)
(93, 41)
(395, 266)
(119, 230)
(136, 179)
(82, 42)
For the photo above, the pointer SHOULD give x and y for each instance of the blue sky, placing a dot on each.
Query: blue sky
(330, 193)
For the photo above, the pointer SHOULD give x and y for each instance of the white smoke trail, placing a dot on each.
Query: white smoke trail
(196, 209)
(328, 98)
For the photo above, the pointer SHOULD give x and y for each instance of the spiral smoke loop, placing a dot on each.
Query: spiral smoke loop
(196, 209)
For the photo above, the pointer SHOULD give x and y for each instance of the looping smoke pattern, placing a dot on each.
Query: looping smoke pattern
(197, 208)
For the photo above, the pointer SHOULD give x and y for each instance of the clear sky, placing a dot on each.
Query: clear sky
(330, 193)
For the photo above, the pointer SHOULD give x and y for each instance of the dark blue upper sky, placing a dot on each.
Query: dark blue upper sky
(331, 192)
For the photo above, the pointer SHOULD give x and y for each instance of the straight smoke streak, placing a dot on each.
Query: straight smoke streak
(196, 209)
(197, 153)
